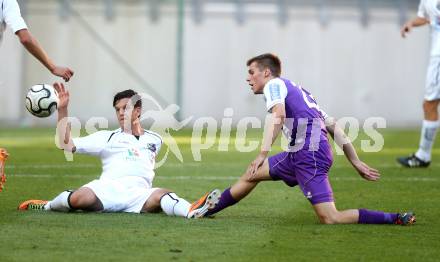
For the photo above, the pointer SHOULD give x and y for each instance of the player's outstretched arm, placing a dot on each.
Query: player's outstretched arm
(271, 131)
(418, 21)
(344, 142)
(34, 47)
(63, 126)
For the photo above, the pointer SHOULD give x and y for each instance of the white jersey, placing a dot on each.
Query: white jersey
(122, 154)
(10, 15)
(430, 9)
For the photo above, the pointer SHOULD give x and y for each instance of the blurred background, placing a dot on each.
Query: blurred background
(348, 53)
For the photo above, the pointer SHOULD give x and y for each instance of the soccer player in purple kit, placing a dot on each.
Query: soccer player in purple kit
(309, 158)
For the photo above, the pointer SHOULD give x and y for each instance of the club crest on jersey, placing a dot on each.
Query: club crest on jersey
(152, 147)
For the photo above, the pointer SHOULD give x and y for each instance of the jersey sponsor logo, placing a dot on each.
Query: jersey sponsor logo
(133, 152)
(274, 91)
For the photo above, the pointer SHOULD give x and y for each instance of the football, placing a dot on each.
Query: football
(41, 100)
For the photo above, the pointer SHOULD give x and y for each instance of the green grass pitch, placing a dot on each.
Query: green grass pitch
(275, 223)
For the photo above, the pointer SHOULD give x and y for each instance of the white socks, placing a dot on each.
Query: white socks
(429, 130)
(59, 203)
(173, 205)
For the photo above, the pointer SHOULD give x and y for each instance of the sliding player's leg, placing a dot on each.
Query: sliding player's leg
(328, 214)
(166, 200)
(81, 199)
(173, 205)
(316, 187)
(274, 168)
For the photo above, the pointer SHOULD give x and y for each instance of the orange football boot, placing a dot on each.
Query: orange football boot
(33, 205)
(199, 208)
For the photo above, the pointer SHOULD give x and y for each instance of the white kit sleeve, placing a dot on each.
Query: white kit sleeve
(12, 15)
(275, 91)
(92, 144)
(422, 12)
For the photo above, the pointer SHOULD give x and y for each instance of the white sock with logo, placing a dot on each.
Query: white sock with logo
(173, 205)
(59, 203)
(427, 138)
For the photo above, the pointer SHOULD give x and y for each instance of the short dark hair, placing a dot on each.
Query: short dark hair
(267, 60)
(128, 94)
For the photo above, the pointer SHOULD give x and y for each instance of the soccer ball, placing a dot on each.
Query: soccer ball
(41, 100)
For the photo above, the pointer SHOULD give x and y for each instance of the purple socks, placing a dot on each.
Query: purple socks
(376, 217)
(226, 200)
(365, 216)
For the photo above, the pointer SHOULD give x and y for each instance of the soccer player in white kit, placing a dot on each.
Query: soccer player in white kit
(10, 15)
(428, 13)
(128, 159)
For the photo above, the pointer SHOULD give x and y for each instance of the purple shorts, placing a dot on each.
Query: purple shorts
(308, 169)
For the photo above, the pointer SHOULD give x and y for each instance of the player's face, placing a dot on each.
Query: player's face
(257, 78)
(126, 112)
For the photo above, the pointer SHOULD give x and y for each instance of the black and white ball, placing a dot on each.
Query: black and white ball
(42, 100)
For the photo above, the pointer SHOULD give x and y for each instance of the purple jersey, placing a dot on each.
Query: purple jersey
(304, 119)
(310, 157)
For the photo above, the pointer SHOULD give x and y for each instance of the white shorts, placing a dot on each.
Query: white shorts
(125, 194)
(432, 87)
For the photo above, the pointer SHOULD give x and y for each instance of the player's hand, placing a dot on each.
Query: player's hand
(366, 172)
(253, 167)
(406, 28)
(63, 95)
(64, 72)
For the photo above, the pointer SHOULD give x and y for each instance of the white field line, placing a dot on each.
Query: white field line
(183, 165)
(231, 178)
(54, 166)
